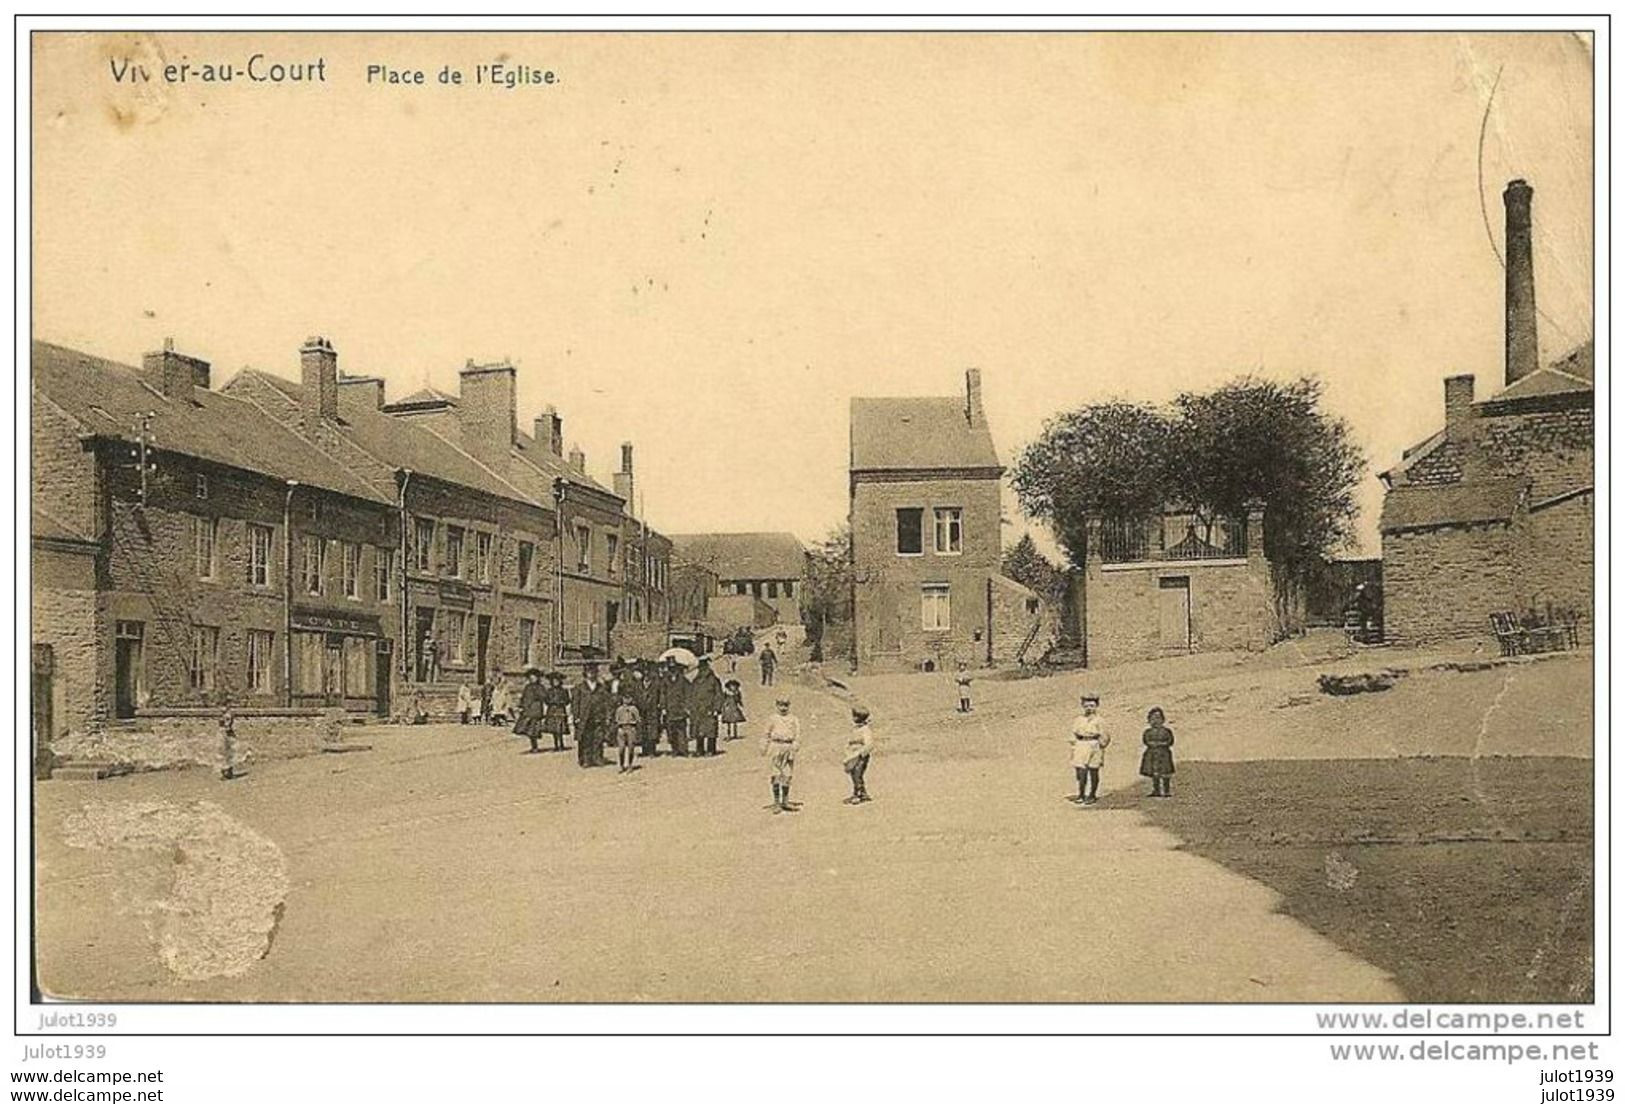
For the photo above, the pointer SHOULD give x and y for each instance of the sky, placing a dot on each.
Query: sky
(707, 244)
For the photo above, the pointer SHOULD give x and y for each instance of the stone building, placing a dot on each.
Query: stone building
(1494, 512)
(188, 549)
(769, 567)
(476, 587)
(1173, 585)
(926, 536)
(595, 528)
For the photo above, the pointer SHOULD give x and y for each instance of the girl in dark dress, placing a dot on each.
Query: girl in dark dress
(556, 710)
(1157, 763)
(529, 724)
(733, 708)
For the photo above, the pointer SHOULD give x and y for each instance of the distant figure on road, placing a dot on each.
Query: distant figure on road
(780, 744)
(487, 692)
(529, 724)
(591, 710)
(678, 691)
(556, 710)
(420, 711)
(1089, 744)
(465, 701)
(860, 745)
(963, 679)
(733, 708)
(705, 708)
(501, 703)
(1157, 762)
(769, 660)
(628, 720)
(228, 743)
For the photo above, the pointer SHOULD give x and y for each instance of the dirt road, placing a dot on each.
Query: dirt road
(445, 865)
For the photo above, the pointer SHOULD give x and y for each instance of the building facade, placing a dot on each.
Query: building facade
(597, 539)
(768, 567)
(1494, 513)
(1174, 585)
(473, 585)
(193, 551)
(926, 532)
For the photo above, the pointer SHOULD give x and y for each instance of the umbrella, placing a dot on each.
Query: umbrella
(681, 655)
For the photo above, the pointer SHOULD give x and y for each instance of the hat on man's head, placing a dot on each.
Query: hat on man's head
(1091, 699)
(554, 676)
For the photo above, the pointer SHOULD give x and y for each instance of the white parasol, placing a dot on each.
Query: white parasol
(681, 655)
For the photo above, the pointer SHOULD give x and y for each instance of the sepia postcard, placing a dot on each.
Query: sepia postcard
(781, 517)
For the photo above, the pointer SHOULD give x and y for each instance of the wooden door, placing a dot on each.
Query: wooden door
(1174, 613)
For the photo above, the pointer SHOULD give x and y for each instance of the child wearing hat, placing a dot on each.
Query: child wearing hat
(1089, 743)
(733, 708)
(556, 709)
(531, 710)
(860, 745)
(780, 744)
(1157, 762)
(962, 677)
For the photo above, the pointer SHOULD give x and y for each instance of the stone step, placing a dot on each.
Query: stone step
(87, 771)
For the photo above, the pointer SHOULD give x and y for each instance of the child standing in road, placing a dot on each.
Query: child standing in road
(628, 722)
(228, 743)
(963, 679)
(1157, 763)
(1089, 743)
(859, 746)
(733, 708)
(780, 744)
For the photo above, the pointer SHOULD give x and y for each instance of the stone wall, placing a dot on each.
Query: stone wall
(1443, 583)
(72, 620)
(1025, 627)
(167, 740)
(1231, 608)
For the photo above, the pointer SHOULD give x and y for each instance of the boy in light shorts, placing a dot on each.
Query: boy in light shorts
(1089, 743)
(780, 744)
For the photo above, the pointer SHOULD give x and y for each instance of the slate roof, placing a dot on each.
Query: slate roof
(398, 443)
(1409, 507)
(917, 434)
(105, 398)
(743, 555)
(554, 467)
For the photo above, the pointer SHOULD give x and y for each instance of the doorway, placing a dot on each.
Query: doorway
(129, 667)
(482, 646)
(1174, 613)
(44, 670)
(383, 673)
(333, 670)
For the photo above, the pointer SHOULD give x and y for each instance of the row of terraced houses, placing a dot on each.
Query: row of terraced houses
(307, 544)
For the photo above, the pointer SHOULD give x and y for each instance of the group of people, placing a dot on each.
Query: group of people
(1090, 741)
(637, 704)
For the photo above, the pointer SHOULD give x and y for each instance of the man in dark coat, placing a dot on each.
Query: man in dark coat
(590, 709)
(644, 697)
(769, 662)
(529, 724)
(705, 703)
(677, 694)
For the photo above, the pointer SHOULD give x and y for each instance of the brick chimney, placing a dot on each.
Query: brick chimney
(1458, 399)
(973, 399)
(319, 372)
(487, 412)
(623, 478)
(548, 429)
(174, 374)
(578, 459)
(363, 392)
(1523, 348)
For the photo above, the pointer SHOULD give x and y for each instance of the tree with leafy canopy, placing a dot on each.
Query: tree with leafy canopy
(1217, 453)
(827, 590)
(1024, 563)
(1107, 460)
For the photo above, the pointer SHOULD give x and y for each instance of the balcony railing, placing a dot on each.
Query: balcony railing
(1172, 538)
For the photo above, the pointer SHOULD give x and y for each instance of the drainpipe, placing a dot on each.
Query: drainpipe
(558, 571)
(403, 664)
(287, 595)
